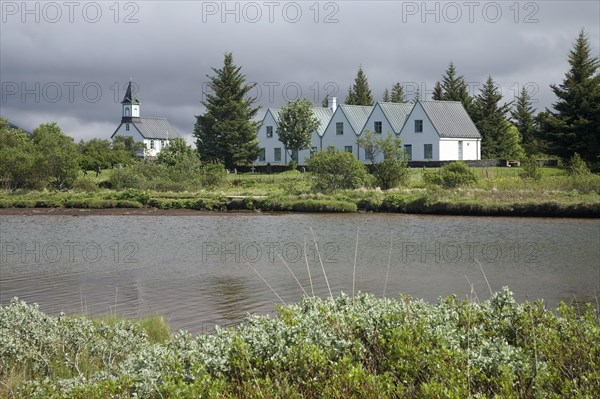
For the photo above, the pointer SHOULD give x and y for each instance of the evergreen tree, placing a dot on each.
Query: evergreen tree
(438, 92)
(417, 96)
(524, 120)
(499, 141)
(296, 124)
(386, 96)
(454, 88)
(574, 125)
(360, 93)
(226, 132)
(325, 102)
(397, 93)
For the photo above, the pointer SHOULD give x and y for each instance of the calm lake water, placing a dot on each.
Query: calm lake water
(197, 270)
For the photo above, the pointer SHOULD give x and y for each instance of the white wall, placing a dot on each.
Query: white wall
(133, 132)
(377, 115)
(340, 141)
(449, 149)
(418, 140)
(269, 143)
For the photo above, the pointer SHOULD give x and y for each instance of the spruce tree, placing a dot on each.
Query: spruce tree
(438, 92)
(397, 93)
(498, 140)
(360, 93)
(226, 132)
(523, 118)
(386, 96)
(574, 124)
(454, 88)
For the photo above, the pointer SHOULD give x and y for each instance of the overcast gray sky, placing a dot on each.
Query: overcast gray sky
(70, 61)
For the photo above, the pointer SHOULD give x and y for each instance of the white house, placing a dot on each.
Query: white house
(273, 151)
(155, 133)
(345, 126)
(385, 119)
(440, 130)
(429, 130)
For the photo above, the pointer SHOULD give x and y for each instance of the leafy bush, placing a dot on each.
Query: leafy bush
(452, 175)
(85, 185)
(332, 169)
(530, 169)
(577, 166)
(212, 176)
(339, 347)
(134, 195)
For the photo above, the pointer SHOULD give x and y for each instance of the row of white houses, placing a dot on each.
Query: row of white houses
(429, 130)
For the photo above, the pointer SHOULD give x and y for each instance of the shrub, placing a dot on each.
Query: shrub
(577, 166)
(212, 176)
(452, 175)
(530, 169)
(85, 185)
(332, 169)
(134, 195)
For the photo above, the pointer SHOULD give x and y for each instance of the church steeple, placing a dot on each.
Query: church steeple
(130, 106)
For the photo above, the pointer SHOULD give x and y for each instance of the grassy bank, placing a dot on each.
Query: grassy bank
(343, 347)
(498, 191)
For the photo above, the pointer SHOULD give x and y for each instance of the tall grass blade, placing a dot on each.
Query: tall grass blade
(354, 270)
(387, 273)
(265, 281)
(292, 273)
(321, 261)
(484, 276)
(308, 268)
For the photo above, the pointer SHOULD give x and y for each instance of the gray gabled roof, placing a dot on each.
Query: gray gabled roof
(323, 114)
(156, 128)
(450, 119)
(357, 115)
(396, 113)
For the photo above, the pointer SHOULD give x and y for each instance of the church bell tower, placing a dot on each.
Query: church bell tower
(130, 106)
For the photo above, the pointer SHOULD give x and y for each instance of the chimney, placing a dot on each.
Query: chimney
(332, 103)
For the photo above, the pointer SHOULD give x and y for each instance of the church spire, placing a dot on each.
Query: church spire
(130, 106)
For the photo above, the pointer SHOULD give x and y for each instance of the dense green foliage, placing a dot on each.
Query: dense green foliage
(296, 125)
(454, 174)
(360, 92)
(333, 169)
(341, 347)
(453, 88)
(104, 154)
(226, 132)
(577, 166)
(522, 116)
(573, 126)
(498, 139)
(393, 169)
(530, 169)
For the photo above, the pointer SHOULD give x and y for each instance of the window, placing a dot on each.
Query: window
(126, 111)
(261, 155)
(348, 148)
(367, 156)
(418, 126)
(269, 132)
(339, 128)
(313, 150)
(277, 154)
(162, 144)
(151, 144)
(127, 126)
(378, 127)
(428, 151)
(408, 151)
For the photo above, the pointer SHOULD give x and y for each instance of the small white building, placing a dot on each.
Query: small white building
(345, 126)
(155, 133)
(440, 131)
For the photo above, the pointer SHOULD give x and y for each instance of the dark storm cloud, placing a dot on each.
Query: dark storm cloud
(72, 68)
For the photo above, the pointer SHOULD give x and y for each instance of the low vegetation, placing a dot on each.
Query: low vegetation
(337, 347)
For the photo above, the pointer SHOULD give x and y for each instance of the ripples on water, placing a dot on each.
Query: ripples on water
(193, 268)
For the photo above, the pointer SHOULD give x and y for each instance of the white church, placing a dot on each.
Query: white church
(155, 133)
(429, 130)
